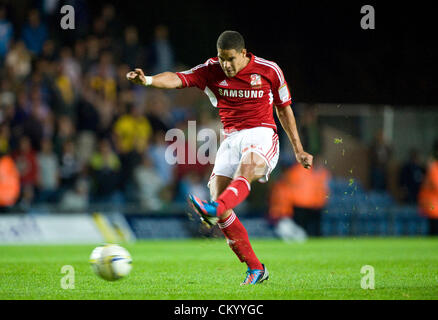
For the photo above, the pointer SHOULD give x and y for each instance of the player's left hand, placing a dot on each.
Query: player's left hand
(305, 159)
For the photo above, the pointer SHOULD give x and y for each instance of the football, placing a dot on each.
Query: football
(111, 262)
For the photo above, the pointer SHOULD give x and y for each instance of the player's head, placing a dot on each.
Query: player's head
(231, 52)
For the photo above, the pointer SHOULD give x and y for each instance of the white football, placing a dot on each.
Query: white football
(111, 262)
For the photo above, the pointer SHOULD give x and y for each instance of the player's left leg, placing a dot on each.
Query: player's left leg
(260, 155)
(228, 195)
(237, 236)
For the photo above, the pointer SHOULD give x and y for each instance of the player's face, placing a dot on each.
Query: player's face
(232, 61)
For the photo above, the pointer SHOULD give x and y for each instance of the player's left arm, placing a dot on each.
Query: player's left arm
(287, 120)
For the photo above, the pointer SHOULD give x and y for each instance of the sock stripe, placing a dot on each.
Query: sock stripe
(227, 222)
(246, 181)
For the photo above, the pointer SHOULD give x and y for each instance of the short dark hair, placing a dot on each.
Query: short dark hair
(230, 40)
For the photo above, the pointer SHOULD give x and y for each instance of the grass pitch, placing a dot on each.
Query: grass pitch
(405, 268)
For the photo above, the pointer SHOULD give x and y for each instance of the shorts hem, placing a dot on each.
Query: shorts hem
(214, 174)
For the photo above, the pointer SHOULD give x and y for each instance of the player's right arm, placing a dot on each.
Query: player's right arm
(165, 80)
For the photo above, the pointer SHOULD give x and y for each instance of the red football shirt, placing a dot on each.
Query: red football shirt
(245, 100)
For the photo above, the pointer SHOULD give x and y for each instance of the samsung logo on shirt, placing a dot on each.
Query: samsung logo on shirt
(241, 93)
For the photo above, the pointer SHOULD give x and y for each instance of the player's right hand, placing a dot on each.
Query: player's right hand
(137, 76)
(306, 159)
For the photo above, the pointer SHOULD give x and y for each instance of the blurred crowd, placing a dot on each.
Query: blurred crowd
(80, 134)
(78, 131)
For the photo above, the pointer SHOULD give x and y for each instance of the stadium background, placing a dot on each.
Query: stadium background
(65, 91)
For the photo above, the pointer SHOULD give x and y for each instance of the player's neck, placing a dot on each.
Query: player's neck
(248, 60)
(245, 64)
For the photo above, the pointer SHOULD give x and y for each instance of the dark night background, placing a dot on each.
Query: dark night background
(324, 53)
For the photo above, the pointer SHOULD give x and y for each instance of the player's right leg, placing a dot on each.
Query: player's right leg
(217, 184)
(257, 153)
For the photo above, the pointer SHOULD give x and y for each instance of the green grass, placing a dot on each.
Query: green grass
(405, 268)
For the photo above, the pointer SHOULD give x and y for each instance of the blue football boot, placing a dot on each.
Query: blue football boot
(205, 209)
(255, 276)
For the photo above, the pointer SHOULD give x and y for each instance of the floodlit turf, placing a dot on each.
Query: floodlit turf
(405, 268)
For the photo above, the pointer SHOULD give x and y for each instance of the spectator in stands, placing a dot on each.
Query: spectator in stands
(69, 165)
(70, 67)
(132, 132)
(18, 62)
(48, 123)
(32, 126)
(65, 131)
(92, 49)
(306, 190)
(49, 51)
(132, 52)
(157, 153)
(6, 34)
(103, 75)
(161, 56)
(17, 116)
(132, 128)
(76, 199)
(9, 181)
(157, 111)
(428, 195)
(35, 33)
(281, 210)
(86, 111)
(113, 25)
(48, 173)
(105, 171)
(380, 152)
(41, 81)
(99, 30)
(101, 108)
(80, 54)
(411, 177)
(280, 199)
(149, 184)
(64, 93)
(25, 159)
(5, 136)
(37, 102)
(7, 99)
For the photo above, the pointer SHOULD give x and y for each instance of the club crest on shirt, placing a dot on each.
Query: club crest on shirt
(256, 80)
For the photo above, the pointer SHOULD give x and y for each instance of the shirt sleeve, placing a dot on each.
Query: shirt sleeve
(195, 77)
(280, 90)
